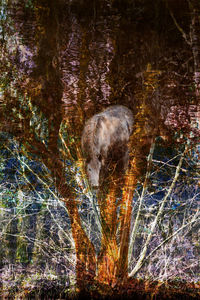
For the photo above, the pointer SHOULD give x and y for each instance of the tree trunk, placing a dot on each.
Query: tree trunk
(85, 252)
(108, 256)
(131, 179)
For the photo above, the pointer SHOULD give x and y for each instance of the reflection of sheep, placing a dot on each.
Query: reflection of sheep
(104, 140)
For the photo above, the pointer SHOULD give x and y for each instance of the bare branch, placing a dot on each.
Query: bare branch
(184, 35)
(194, 219)
(136, 224)
(155, 222)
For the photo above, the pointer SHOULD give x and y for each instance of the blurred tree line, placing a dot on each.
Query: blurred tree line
(62, 62)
